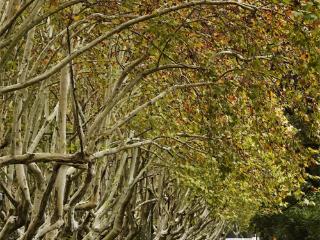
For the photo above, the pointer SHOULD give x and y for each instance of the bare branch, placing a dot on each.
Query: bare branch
(42, 157)
(243, 58)
(152, 101)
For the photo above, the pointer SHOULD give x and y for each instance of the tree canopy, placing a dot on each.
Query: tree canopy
(154, 119)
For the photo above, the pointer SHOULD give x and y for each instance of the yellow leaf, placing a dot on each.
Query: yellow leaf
(76, 18)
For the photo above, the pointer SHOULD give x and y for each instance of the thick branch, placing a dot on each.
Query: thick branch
(42, 157)
(35, 224)
(75, 158)
(118, 149)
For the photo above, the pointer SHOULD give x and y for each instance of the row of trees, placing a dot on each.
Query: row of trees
(153, 119)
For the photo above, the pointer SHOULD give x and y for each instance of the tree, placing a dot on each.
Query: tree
(300, 221)
(123, 120)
